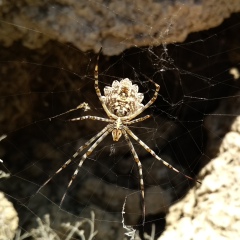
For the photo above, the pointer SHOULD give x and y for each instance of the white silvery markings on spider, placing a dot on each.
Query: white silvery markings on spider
(122, 103)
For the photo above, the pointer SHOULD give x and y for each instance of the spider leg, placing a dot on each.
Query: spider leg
(145, 146)
(92, 118)
(88, 153)
(135, 156)
(82, 105)
(138, 120)
(98, 92)
(86, 144)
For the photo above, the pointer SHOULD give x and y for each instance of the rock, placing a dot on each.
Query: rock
(114, 25)
(8, 218)
(212, 210)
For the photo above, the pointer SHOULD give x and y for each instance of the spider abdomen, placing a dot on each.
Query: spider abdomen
(122, 98)
(120, 109)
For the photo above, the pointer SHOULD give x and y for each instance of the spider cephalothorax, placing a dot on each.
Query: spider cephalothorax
(122, 98)
(117, 129)
(122, 104)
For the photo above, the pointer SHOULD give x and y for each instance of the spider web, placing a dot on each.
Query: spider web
(37, 84)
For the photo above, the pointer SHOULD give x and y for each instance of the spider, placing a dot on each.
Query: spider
(122, 103)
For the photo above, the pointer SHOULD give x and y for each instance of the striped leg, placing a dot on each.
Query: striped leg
(98, 92)
(155, 155)
(82, 105)
(92, 118)
(138, 120)
(75, 155)
(135, 156)
(88, 153)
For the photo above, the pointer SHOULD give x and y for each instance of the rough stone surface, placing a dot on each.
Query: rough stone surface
(8, 218)
(114, 25)
(212, 210)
